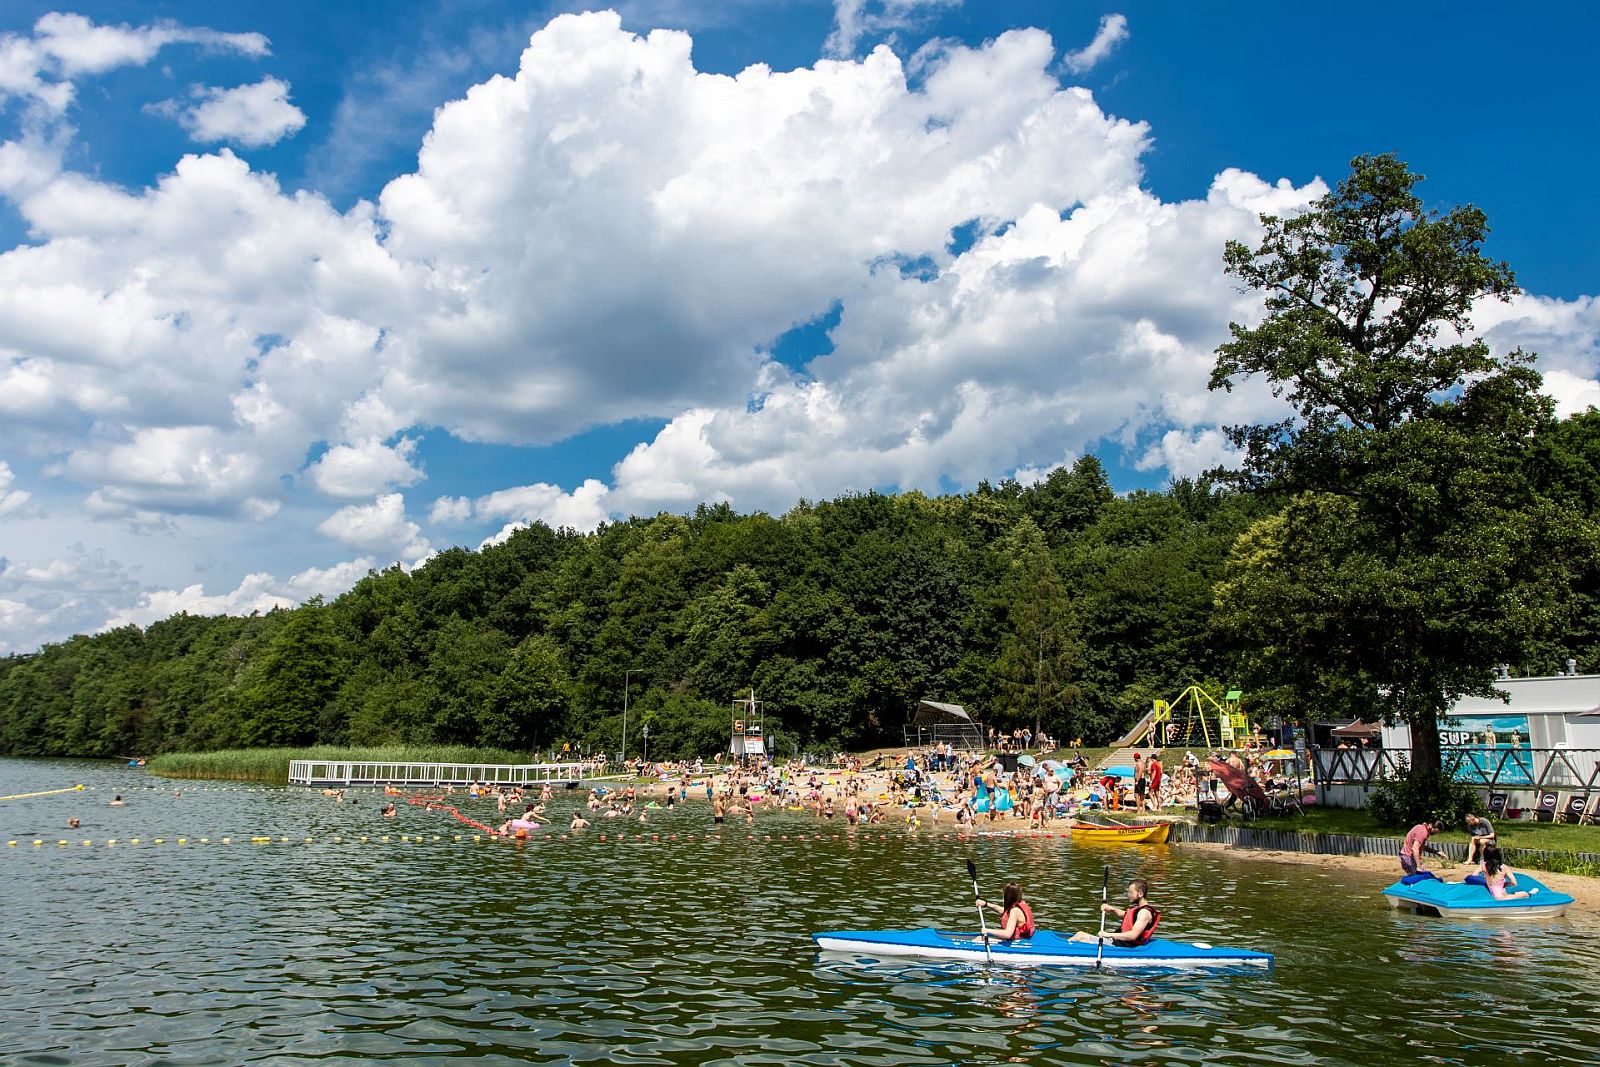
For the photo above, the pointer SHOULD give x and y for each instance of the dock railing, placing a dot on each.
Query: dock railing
(367, 772)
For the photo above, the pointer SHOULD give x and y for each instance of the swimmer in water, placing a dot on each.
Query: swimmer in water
(578, 822)
(388, 811)
(116, 801)
(73, 822)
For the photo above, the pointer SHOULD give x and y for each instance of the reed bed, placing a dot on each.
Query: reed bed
(272, 764)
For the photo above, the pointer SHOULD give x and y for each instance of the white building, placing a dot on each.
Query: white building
(1559, 711)
(1538, 750)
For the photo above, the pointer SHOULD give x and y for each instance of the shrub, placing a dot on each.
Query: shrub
(1411, 797)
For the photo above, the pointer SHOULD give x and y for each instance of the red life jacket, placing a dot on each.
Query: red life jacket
(1131, 916)
(1027, 928)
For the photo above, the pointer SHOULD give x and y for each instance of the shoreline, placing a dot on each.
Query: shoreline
(1585, 891)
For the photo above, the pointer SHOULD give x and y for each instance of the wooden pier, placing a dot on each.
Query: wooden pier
(367, 772)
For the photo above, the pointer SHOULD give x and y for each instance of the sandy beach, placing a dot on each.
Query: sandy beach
(1385, 869)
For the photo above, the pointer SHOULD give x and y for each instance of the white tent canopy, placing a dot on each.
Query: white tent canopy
(933, 713)
(937, 723)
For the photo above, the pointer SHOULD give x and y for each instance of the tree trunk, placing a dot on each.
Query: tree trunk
(1425, 742)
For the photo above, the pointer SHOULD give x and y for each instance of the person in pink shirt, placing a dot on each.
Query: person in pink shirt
(1416, 842)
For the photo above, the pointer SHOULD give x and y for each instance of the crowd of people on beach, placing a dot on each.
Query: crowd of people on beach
(966, 788)
(970, 789)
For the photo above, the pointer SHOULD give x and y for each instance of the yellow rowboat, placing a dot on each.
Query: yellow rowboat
(1155, 833)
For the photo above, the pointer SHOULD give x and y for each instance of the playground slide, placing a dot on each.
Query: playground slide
(1136, 735)
(1239, 784)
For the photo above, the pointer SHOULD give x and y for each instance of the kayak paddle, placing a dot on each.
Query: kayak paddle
(1105, 886)
(988, 954)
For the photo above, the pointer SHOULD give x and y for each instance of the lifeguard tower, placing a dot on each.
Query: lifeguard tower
(748, 728)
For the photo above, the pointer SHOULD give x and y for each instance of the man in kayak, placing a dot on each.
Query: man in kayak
(1139, 919)
(1016, 918)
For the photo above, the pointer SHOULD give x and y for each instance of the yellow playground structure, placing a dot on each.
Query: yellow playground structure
(1173, 723)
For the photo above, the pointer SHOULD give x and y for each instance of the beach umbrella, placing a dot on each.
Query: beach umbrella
(1025, 761)
(1279, 753)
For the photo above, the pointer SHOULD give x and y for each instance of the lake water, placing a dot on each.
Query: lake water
(695, 951)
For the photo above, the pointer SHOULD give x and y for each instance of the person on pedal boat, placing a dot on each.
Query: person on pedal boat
(1016, 918)
(1139, 919)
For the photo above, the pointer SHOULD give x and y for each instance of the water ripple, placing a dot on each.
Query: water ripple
(649, 950)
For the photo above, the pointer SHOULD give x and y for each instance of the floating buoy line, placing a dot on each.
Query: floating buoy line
(44, 793)
(486, 834)
(490, 838)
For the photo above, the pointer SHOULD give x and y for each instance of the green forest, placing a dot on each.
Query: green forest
(1421, 517)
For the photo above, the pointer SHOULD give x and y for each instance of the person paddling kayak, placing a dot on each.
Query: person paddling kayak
(1016, 918)
(1139, 919)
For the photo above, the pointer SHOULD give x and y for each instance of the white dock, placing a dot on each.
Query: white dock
(366, 772)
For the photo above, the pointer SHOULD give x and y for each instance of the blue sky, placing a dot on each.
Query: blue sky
(615, 284)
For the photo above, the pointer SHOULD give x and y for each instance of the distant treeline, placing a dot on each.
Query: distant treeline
(1058, 605)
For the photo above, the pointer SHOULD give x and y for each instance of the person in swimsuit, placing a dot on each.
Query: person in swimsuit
(1497, 876)
(719, 808)
(1016, 918)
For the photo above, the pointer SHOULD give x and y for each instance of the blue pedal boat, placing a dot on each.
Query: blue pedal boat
(1431, 896)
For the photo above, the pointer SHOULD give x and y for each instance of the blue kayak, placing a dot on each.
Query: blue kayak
(1430, 896)
(1043, 947)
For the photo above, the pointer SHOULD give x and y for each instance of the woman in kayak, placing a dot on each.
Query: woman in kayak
(1016, 918)
(1139, 919)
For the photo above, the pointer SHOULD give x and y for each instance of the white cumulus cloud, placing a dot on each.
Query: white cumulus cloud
(380, 526)
(607, 233)
(256, 592)
(249, 115)
(10, 499)
(854, 20)
(582, 509)
(64, 47)
(1113, 31)
(365, 468)
(450, 510)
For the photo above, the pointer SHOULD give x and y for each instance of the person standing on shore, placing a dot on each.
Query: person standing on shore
(1416, 843)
